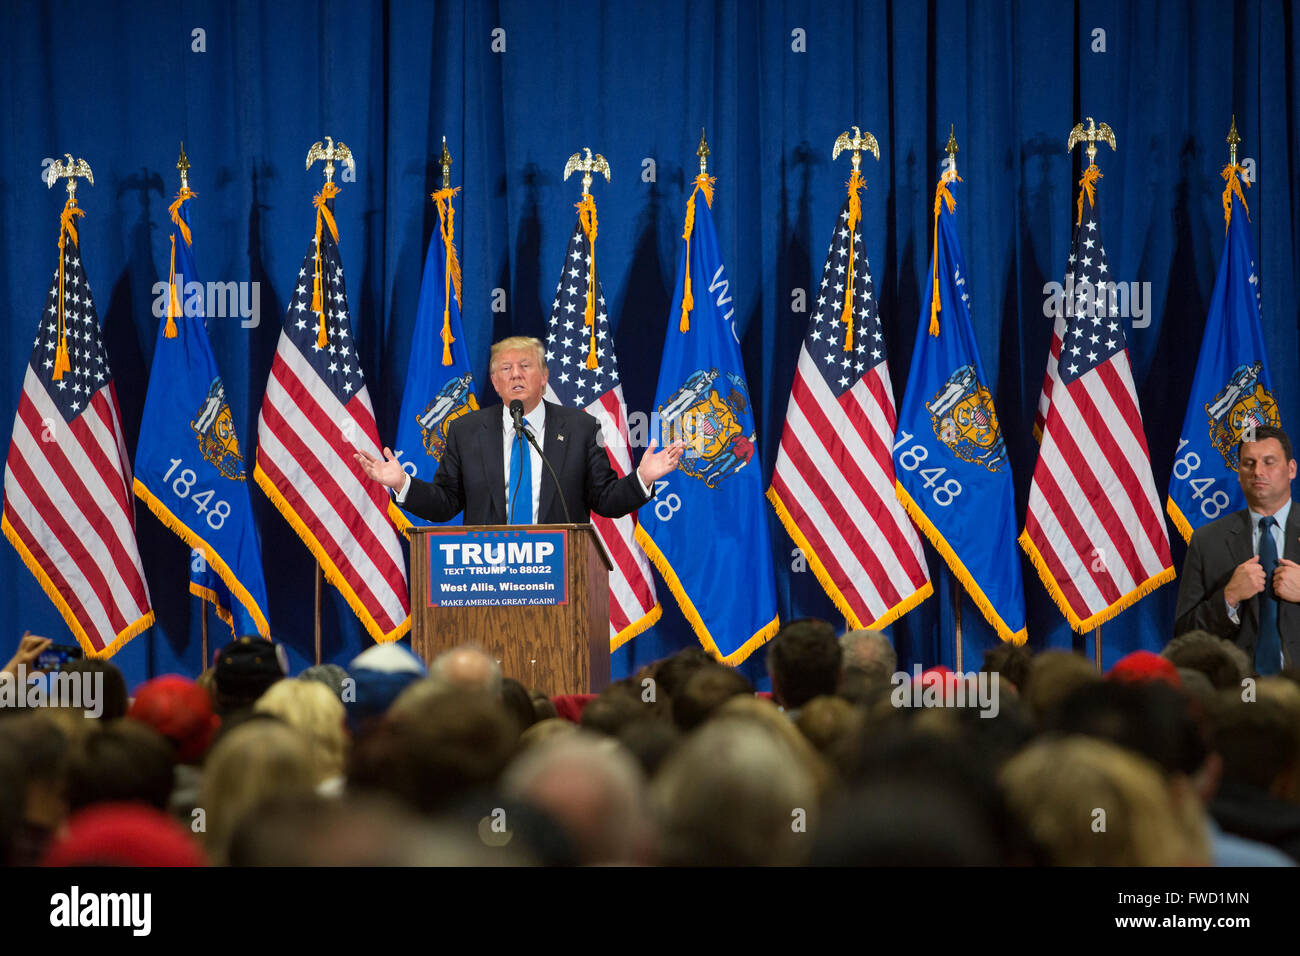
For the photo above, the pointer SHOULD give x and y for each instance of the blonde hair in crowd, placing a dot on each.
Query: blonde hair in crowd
(1091, 803)
(253, 763)
(311, 708)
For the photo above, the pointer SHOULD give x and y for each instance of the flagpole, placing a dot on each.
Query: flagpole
(203, 634)
(317, 604)
(956, 616)
(1091, 135)
(344, 155)
(183, 167)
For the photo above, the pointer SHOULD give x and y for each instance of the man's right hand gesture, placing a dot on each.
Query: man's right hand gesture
(389, 472)
(1246, 581)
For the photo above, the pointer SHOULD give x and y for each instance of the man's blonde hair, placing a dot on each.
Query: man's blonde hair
(517, 343)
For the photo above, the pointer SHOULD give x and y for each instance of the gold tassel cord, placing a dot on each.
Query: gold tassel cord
(1233, 177)
(173, 294)
(942, 195)
(326, 216)
(587, 217)
(1088, 184)
(703, 183)
(855, 184)
(67, 230)
(451, 271)
(173, 303)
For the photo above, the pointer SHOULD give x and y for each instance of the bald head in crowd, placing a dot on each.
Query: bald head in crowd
(594, 789)
(466, 668)
(868, 652)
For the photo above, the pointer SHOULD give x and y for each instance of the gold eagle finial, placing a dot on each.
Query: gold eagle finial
(334, 151)
(858, 142)
(1091, 135)
(591, 164)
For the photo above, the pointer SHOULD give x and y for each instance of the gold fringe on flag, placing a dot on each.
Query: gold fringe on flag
(67, 230)
(587, 217)
(855, 183)
(942, 194)
(703, 183)
(1089, 186)
(1231, 174)
(323, 214)
(447, 229)
(173, 295)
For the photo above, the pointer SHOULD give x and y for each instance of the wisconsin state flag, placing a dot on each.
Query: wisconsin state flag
(706, 530)
(190, 469)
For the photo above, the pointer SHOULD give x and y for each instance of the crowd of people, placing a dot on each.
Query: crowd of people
(1184, 758)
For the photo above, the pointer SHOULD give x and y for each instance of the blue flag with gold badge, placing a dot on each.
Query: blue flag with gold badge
(439, 385)
(950, 460)
(189, 466)
(707, 528)
(1231, 391)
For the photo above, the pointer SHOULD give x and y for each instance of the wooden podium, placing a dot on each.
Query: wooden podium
(558, 649)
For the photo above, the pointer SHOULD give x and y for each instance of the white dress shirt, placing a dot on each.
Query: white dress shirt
(535, 422)
(1279, 538)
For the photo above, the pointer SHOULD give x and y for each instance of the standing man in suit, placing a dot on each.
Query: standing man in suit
(496, 477)
(1241, 579)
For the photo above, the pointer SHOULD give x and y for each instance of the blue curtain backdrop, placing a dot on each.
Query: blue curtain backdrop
(121, 84)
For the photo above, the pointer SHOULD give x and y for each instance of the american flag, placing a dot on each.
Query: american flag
(833, 485)
(633, 606)
(1094, 530)
(316, 414)
(68, 507)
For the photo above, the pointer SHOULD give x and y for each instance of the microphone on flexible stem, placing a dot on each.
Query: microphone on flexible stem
(517, 413)
(568, 519)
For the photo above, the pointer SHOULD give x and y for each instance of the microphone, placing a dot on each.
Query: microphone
(517, 413)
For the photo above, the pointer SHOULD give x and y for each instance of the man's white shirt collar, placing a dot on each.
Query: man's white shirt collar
(536, 419)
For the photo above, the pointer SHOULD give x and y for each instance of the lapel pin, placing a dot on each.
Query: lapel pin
(559, 438)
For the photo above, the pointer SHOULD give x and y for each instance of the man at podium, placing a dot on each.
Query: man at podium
(494, 473)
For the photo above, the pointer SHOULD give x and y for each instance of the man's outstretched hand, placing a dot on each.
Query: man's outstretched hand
(387, 471)
(655, 464)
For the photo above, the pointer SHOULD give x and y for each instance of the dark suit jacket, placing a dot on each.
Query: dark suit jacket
(471, 475)
(1213, 554)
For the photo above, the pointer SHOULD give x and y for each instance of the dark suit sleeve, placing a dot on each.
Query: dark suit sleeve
(444, 497)
(607, 494)
(1201, 605)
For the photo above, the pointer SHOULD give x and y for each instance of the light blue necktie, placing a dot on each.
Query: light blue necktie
(1268, 648)
(520, 491)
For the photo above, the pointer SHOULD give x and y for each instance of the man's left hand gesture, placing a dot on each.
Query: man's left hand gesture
(655, 464)
(1286, 581)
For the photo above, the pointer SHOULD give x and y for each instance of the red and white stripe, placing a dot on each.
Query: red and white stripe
(631, 584)
(68, 505)
(306, 440)
(834, 476)
(1049, 377)
(1094, 517)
